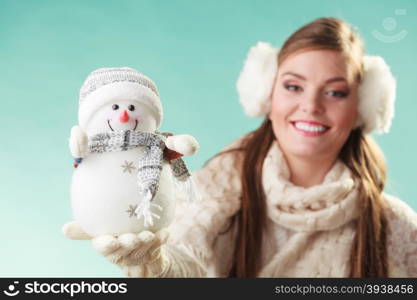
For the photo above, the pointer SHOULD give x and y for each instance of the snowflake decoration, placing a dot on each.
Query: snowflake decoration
(128, 167)
(131, 211)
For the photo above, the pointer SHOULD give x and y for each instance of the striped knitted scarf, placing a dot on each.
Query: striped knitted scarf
(149, 167)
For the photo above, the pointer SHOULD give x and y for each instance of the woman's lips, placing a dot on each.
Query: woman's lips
(310, 128)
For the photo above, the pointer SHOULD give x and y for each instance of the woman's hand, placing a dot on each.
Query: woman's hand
(138, 254)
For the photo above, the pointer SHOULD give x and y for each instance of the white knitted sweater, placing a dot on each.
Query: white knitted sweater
(310, 230)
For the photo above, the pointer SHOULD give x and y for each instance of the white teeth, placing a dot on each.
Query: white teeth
(310, 128)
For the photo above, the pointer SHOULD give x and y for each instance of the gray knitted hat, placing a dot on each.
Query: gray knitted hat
(106, 85)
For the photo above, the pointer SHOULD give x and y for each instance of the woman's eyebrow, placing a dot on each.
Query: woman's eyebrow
(336, 79)
(303, 78)
(294, 74)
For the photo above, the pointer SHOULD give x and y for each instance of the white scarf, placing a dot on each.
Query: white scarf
(322, 217)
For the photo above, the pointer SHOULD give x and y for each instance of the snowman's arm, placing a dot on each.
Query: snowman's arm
(78, 142)
(182, 143)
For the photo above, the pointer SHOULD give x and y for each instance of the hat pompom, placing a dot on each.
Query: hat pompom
(376, 96)
(257, 79)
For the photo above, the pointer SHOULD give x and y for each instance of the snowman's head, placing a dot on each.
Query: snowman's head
(116, 99)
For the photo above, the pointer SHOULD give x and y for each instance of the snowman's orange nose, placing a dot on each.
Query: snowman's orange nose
(124, 117)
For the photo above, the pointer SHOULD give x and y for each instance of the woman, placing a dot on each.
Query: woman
(301, 196)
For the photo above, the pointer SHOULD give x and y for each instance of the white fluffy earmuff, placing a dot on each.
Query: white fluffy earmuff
(376, 91)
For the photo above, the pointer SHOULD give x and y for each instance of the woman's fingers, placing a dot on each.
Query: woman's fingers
(74, 231)
(133, 271)
(154, 250)
(126, 249)
(106, 244)
(145, 240)
(130, 245)
(130, 249)
(162, 235)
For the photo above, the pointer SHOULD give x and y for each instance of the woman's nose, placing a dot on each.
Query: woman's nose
(124, 117)
(312, 104)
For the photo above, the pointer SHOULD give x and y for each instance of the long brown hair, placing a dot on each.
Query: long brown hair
(359, 153)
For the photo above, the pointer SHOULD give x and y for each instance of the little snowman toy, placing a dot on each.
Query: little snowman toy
(127, 173)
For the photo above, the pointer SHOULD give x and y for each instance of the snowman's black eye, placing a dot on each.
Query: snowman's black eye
(131, 107)
(115, 107)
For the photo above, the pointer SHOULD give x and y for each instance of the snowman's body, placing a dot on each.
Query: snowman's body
(106, 196)
(104, 193)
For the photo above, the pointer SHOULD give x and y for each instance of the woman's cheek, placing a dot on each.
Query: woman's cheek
(344, 115)
(284, 105)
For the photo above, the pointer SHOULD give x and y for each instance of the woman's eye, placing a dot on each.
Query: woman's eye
(115, 107)
(131, 107)
(338, 94)
(292, 87)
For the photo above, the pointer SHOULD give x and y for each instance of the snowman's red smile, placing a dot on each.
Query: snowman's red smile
(111, 128)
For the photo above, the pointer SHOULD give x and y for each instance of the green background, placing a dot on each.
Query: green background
(194, 51)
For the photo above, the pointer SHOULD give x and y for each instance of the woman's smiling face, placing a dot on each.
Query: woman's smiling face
(314, 106)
